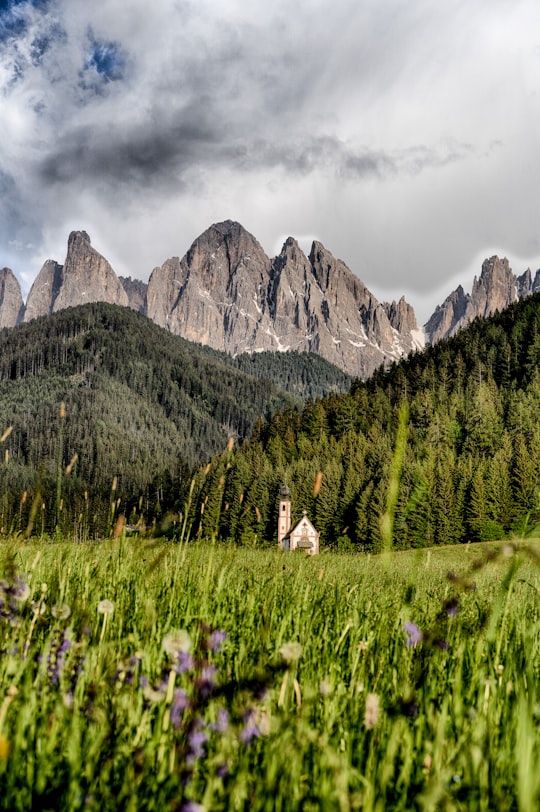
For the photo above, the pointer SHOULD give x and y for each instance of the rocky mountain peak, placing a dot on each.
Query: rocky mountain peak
(227, 293)
(401, 315)
(77, 237)
(85, 276)
(495, 289)
(11, 300)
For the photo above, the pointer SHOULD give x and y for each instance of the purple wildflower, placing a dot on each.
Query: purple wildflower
(179, 704)
(197, 740)
(216, 640)
(12, 596)
(452, 607)
(222, 723)
(183, 662)
(206, 681)
(222, 770)
(413, 634)
(60, 646)
(251, 729)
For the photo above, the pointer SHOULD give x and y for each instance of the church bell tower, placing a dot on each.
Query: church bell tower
(284, 518)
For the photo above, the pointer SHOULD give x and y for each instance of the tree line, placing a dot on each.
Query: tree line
(141, 408)
(470, 470)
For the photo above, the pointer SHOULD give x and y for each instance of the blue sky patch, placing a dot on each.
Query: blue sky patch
(12, 19)
(105, 58)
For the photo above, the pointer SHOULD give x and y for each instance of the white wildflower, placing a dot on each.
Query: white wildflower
(291, 651)
(373, 709)
(61, 611)
(176, 641)
(105, 607)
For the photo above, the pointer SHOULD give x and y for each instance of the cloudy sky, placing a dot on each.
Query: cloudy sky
(403, 134)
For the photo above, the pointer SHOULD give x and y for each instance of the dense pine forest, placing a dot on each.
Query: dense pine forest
(470, 470)
(108, 412)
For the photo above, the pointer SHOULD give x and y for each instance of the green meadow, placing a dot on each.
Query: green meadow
(140, 675)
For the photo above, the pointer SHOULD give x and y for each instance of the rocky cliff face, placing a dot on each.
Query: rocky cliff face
(495, 289)
(227, 293)
(44, 291)
(11, 300)
(85, 277)
(136, 292)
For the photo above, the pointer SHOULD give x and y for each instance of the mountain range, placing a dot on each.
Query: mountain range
(226, 293)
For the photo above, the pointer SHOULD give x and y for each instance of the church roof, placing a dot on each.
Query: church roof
(299, 526)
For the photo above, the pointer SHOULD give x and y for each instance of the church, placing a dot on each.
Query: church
(303, 536)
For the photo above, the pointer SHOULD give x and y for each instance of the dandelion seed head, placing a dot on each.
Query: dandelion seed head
(291, 651)
(325, 688)
(176, 642)
(39, 607)
(105, 607)
(61, 611)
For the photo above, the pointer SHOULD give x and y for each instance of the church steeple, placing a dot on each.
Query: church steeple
(284, 517)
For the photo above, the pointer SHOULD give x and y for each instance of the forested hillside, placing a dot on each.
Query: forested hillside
(142, 409)
(471, 467)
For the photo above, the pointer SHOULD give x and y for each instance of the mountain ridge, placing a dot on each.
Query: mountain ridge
(225, 292)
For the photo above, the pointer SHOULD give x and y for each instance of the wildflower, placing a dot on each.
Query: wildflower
(222, 723)
(452, 607)
(105, 607)
(206, 680)
(192, 806)
(222, 770)
(216, 639)
(197, 740)
(251, 729)
(184, 662)
(39, 607)
(176, 642)
(61, 611)
(291, 651)
(60, 646)
(179, 704)
(151, 694)
(21, 590)
(325, 688)
(12, 595)
(414, 634)
(127, 668)
(373, 708)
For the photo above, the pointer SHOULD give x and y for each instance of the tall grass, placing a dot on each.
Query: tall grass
(342, 683)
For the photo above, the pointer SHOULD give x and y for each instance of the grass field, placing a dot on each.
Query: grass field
(144, 676)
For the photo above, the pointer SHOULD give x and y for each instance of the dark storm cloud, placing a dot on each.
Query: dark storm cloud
(150, 155)
(163, 153)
